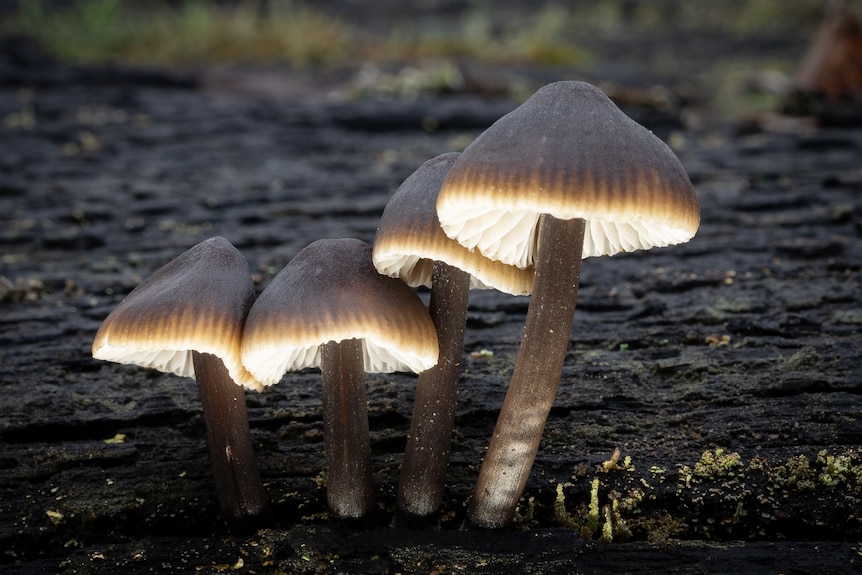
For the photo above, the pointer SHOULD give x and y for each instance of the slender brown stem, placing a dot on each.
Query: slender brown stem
(349, 483)
(420, 485)
(536, 375)
(240, 491)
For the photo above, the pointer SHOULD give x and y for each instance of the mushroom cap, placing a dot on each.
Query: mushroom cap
(409, 238)
(570, 152)
(196, 302)
(331, 292)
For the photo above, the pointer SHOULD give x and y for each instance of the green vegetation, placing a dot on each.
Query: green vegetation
(543, 39)
(719, 497)
(196, 31)
(188, 32)
(739, 17)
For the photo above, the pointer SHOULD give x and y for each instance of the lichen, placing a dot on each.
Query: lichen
(840, 470)
(592, 525)
(597, 521)
(795, 474)
(717, 464)
(718, 496)
(661, 527)
(615, 527)
(561, 515)
(613, 463)
(525, 519)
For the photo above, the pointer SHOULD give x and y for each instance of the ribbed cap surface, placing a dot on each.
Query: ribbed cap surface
(196, 302)
(409, 238)
(570, 152)
(330, 292)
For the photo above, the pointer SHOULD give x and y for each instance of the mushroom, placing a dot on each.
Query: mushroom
(329, 308)
(565, 175)
(411, 245)
(187, 319)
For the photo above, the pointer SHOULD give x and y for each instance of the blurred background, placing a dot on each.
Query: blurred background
(717, 61)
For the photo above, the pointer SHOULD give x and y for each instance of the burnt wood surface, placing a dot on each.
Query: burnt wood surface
(728, 369)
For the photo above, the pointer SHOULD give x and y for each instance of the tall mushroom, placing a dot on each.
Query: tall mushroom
(565, 175)
(411, 245)
(329, 308)
(187, 319)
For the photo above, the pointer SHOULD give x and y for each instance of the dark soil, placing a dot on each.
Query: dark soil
(727, 369)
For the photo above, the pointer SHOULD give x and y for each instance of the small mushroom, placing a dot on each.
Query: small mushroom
(411, 245)
(187, 319)
(329, 308)
(565, 175)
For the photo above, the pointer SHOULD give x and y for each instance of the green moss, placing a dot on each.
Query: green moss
(718, 497)
(592, 526)
(717, 464)
(795, 474)
(525, 519)
(840, 471)
(561, 515)
(660, 527)
(615, 528)
(613, 464)
(596, 521)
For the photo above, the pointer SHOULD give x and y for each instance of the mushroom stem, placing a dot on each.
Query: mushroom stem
(240, 491)
(420, 486)
(349, 483)
(536, 375)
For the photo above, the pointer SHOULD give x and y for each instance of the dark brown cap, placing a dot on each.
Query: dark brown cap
(570, 152)
(196, 302)
(409, 238)
(331, 292)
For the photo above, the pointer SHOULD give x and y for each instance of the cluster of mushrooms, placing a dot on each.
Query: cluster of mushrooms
(564, 176)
